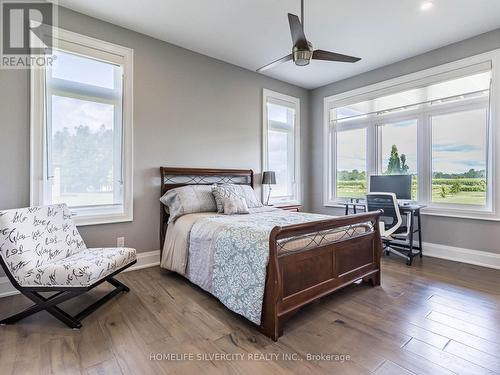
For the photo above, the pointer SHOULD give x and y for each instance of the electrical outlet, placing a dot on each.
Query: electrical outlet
(120, 241)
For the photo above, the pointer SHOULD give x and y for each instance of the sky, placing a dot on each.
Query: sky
(70, 112)
(456, 148)
(351, 150)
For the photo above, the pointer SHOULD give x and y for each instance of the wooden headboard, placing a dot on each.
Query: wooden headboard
(172, 178)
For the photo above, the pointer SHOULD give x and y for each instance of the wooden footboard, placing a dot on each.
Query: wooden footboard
(311, 260)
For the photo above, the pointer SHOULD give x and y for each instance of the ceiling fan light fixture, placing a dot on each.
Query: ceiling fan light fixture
(302, 57)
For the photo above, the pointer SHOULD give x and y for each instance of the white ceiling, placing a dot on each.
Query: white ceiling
(252, 33)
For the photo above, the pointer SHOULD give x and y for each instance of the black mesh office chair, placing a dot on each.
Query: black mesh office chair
(391, 222)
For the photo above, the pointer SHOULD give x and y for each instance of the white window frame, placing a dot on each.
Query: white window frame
(86, 46)
(424, 162)
(295, 103)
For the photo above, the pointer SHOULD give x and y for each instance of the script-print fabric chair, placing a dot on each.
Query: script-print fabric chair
(42, 251)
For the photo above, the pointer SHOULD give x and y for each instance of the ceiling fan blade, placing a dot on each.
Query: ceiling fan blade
(275, 63)
(332, 56)
(297, 31)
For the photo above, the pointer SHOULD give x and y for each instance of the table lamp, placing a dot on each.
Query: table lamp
(268, 178)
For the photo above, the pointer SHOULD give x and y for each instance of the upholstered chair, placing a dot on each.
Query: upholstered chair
(41, 250)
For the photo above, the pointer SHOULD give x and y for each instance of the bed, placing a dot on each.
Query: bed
(268, 264)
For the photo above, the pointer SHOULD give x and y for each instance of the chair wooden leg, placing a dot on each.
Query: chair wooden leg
(118, 284)
(33, 309)
(41, 303)
(61, 295)
(119, 288)
(64, 317)
(49, 304)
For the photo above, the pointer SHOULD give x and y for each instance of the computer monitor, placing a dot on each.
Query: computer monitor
(397, 184)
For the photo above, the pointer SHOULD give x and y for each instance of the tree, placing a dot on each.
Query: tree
(85, 158)
(397, 164)
(404, 166)
(394, 165)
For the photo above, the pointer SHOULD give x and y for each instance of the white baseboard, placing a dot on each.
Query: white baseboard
(6, 288)
(458, 254)
(144, 260)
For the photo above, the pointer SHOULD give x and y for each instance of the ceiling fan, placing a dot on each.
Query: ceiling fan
(302, 51)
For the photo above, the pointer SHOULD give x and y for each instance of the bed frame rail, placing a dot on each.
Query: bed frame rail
(334, 254)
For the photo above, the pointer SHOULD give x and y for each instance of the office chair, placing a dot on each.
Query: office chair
(391, 222)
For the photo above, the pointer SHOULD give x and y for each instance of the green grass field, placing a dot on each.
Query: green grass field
(471, 191)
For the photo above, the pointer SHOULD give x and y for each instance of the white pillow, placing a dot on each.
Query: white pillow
(231, 190)
(188, 199)
(235, 206)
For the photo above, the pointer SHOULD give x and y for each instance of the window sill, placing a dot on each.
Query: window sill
(461, 214)
(334, 204)
(96, 216)
(81, 221)
(433, 211)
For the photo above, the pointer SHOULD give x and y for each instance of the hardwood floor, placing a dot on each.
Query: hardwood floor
(437, 317)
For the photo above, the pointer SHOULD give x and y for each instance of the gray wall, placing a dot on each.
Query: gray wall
(189, 111)
(469, 234)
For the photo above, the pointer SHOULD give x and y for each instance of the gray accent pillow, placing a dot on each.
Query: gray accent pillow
(235, 206)
(187, 200)
(232, 190)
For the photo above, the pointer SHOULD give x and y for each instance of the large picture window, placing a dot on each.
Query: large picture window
(436, 128)
(281, 145)
(82, 130)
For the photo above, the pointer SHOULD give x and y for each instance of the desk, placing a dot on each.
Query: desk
(414, 211)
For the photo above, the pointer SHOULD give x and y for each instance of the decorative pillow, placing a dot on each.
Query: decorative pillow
(235, 205)
(188, 199)
(231, 190)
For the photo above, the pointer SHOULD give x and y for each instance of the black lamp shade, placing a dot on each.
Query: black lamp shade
(268, 178)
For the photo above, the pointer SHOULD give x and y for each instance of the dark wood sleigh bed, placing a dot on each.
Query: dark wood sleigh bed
(299, 277)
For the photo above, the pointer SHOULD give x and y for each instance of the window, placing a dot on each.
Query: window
(398, 150)
(435, 125)
(459, 157)
(281, 146)
(351, 163)
(82, 130)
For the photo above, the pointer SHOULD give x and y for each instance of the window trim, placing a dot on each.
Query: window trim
(414, 80)
(38, 166)
(297, 198)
